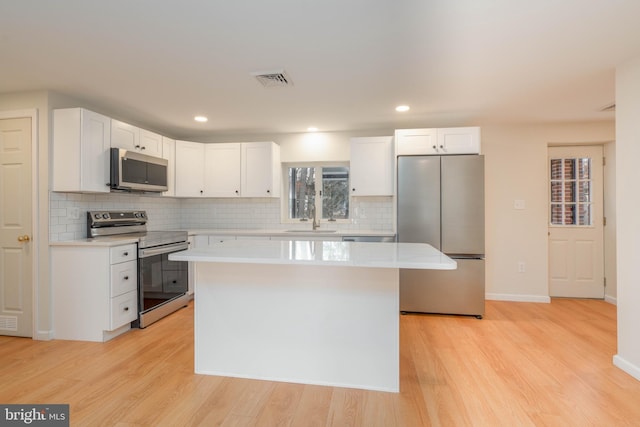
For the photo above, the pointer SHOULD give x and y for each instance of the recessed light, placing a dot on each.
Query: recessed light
(312, 129)
(201, 119)
(402, 108)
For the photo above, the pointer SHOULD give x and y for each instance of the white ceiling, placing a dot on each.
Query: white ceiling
(455, 62)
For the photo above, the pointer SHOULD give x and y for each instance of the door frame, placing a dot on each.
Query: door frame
(602, 145)
(32, 113)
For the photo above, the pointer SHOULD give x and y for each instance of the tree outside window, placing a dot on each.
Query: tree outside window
(319, 190)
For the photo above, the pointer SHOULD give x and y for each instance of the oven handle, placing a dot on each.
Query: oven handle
(174, 247)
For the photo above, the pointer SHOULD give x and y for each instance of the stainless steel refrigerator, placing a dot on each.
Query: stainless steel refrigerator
(441, 202)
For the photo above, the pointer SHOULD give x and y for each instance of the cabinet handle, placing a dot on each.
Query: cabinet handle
(126, 277)
(126, 309)
(442, 147)
(143, 147)
(201, 192)
(353, 189)
(137, 146)
(175, 281)
(268, 191)
(237, 192)
(125, 254)
(24, 238)
(435, 147)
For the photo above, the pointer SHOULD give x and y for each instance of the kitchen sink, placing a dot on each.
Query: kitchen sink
(310, 231)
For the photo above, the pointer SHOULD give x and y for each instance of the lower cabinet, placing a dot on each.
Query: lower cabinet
(95, 291)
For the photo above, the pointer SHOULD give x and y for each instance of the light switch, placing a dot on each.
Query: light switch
(518, 204)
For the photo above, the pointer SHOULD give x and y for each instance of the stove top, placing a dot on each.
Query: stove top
(130, 223)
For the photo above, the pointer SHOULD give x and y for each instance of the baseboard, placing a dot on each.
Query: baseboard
(626, 366)
(611, 300)
(518, 298)
(43, 336)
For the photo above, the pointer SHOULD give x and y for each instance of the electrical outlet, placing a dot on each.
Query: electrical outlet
(74, 213)
(521, 267)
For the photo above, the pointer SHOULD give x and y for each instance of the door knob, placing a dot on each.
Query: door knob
(24, 238)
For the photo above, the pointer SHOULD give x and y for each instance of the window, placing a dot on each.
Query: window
(571, 191)
(320, 190)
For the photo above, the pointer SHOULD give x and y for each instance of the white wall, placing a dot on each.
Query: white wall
(627, 206)
(516, 168)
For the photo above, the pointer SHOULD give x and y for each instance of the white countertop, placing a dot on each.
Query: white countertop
(287, 232)
(329, 253)
(105, 241)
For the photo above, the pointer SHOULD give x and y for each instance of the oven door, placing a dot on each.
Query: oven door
(162, 284)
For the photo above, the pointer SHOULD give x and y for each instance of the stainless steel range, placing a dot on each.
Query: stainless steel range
(162, 284)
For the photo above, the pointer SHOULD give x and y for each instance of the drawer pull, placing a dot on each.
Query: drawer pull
(126, 309)
(126, 254)
(126, 277)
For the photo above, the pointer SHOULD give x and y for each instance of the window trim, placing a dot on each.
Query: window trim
(284, 200)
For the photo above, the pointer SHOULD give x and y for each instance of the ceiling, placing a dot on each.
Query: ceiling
(158, 63)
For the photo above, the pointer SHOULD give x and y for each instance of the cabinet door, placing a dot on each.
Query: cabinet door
(81, 141)
(416, 141)
(150, 143)
(169, 153)
(260, 169)
(371, 168)
(124, 135)
(189, 170)
(464, 140)
(222, 170)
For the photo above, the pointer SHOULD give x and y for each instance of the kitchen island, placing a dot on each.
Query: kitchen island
(313, 312)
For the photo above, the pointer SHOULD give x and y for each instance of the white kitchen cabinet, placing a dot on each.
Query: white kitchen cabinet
(465, 140)
(416, 141)
(222, 175)
(189, 169)
(260, 171)
(129, 137)
(81, 141)
(227, 169)
(371, 166)
(461, 140)
(169, 153)
(94, 291)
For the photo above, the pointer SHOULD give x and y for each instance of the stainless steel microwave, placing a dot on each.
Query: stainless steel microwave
(131, 171)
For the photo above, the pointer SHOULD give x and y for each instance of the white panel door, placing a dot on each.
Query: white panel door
(576, 234)
(16, 246)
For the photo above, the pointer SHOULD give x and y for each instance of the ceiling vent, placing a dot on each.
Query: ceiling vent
(611, 107)
(273, 78)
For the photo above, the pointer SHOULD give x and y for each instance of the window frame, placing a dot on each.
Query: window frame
(284, 206)
(575, 182)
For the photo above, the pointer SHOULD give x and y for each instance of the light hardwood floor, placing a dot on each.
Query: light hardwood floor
(524, 364)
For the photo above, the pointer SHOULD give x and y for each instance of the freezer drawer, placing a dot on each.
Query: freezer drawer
(458, 291)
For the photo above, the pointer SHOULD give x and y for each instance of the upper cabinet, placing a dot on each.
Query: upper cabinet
(222, 170)
(247, 169)
(463, 140)
(129, 137)
(189, 169)
(169, 153)
(371, 166)
(81, 141)
(260, 170)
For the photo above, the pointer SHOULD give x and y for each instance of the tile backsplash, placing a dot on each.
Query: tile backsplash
(68, 213)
